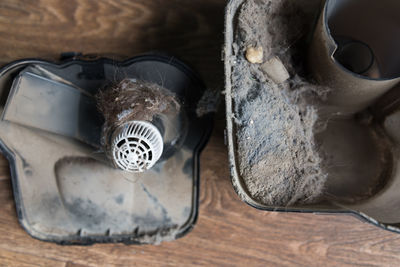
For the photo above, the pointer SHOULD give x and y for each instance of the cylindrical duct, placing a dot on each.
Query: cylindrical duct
(355, 52)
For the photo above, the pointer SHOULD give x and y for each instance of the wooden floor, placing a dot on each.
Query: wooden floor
(228, 231)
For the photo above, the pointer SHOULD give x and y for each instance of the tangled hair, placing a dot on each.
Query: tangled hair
(133, 99)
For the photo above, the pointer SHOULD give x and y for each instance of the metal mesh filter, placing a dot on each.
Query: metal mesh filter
(136, 146)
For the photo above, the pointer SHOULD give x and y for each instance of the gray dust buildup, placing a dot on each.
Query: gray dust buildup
(276, 123)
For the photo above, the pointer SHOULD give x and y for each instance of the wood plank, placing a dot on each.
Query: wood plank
(192, 30)
(71, 264)
(228, 232)
(11, 259)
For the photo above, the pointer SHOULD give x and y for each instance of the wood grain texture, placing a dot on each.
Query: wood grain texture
(228, 232)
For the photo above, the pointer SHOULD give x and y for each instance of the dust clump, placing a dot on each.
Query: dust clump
(208, 102)
(276, 122)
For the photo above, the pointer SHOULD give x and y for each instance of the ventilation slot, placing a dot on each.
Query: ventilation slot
(136, 146)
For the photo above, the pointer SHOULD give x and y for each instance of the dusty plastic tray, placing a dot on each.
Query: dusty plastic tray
(64, 196)
(380, 208)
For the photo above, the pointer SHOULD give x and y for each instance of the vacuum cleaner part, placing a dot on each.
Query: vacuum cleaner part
(313, 110)
(136, 146)
(155, 111)
(354, 51)
(82, 174)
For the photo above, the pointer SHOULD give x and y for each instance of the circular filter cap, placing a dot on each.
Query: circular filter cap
(136, 146)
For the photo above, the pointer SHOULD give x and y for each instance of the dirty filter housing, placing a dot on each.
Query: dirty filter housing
(65, 186)
(352, 134)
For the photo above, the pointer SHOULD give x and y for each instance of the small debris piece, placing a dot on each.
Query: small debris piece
(275, 70)
(255, 55)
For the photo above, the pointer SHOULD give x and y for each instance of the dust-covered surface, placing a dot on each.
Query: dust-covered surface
(65, 193)
(208, 102)
(276, 123)
(133, 99)
(73, 198)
